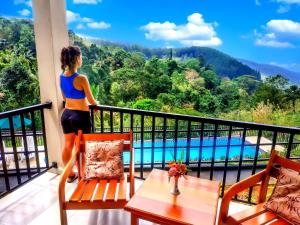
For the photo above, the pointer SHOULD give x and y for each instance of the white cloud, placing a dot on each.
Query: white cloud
(98, 25)
(72, 17)
(26, 2)
(196, 32)
(80, 26)
(284, 6)
(87, 20)
(272, 43)
(257, 2)
(24, 12)
(94, 2)
(75, 17)
(284, 26)
(283, 9)
(279, 34)
(289, 1)
(87, 36)
(211, 42)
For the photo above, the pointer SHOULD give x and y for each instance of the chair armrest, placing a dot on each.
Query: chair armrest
(131, 168)
(235, 189)
(66, 172)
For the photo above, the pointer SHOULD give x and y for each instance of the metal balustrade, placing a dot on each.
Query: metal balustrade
(23, 146)
(215, 149)
(212, 135)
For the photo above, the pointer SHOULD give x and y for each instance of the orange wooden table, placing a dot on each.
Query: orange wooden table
(197, 203)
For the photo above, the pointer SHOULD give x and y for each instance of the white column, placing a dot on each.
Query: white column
(51, 35)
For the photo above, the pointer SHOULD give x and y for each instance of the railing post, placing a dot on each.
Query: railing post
(50, 36)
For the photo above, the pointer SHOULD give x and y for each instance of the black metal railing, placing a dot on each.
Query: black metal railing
(216, 149)
(23, 146)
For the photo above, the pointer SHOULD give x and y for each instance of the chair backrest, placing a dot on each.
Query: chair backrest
(272, 170)
(82, 138)
(279, 161)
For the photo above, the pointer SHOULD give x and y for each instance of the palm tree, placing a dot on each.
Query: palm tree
(292, 94)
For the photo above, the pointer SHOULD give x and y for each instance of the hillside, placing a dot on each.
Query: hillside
(184, 80)
(271, 70)
(223, 64)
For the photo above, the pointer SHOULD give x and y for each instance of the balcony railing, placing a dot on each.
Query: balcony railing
(23, 146)
(217, 149)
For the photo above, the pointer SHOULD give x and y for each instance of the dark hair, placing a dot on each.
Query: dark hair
(68, 56)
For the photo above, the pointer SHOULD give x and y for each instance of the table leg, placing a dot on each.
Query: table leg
(134, 219)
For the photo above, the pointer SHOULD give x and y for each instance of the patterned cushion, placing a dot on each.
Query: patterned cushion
(285, 200)
(104, 159)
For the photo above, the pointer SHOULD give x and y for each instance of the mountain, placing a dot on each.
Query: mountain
(223, 64)
(270, 70)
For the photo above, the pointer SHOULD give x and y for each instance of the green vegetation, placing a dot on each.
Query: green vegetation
(18, 66)
(195, 81)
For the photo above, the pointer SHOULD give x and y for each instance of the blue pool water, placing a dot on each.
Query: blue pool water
(207, 149)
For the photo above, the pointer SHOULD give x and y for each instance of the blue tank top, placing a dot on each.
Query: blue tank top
(66, 85)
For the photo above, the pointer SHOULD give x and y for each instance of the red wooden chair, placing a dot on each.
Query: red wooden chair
(256, 214)
(82, 197)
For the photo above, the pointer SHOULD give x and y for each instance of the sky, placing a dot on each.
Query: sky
(263, 31)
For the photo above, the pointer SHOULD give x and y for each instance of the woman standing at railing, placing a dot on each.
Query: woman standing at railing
(75, 89)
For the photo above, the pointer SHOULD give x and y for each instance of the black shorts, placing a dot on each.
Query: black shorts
(74, 120)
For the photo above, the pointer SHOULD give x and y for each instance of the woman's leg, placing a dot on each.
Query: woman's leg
(68, 148)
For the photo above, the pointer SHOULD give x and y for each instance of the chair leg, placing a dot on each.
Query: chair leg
(63, 216)
(134, 219)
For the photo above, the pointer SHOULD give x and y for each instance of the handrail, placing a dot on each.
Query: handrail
(251, 125)
(203, 157)
(23, 159)
(46, 105)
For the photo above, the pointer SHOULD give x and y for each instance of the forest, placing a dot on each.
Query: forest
(179, 80)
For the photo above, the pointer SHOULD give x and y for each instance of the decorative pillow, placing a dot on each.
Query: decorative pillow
(104, 159)
(285, 200)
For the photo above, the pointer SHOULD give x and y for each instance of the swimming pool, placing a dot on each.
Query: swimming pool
(207, 149)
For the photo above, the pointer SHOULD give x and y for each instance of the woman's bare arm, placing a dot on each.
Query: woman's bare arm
(87, 90)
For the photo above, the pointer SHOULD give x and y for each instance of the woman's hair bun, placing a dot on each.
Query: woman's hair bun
(68, 56)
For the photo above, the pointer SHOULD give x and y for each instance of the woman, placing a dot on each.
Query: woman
(75, 89)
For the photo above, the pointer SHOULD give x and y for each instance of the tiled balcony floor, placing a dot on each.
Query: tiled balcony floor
(36, 203)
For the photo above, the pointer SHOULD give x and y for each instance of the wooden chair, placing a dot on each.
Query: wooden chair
(90, 194)
(256, 214)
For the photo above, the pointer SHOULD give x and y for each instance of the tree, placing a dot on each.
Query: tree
(168, 99)
(135, 61)
(118, 59)
(15, 82)
(270, 93)
(211, 79)
(128, 87)
(192, 64)
(248, 83)
(147, 104)
(172, 66)
(154, 85)
(207, 103)
(194, 79)
(277, 81)
(228, 93)
(26, 43)
(292, 94)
